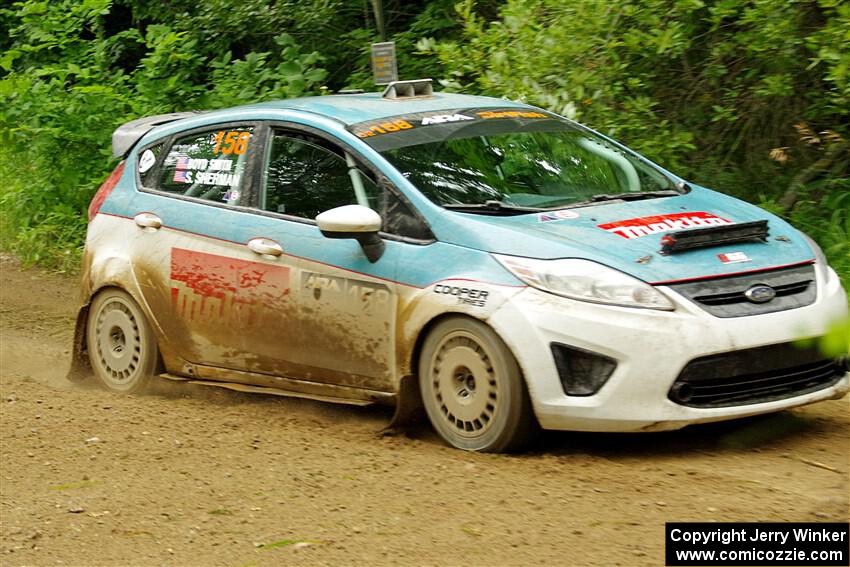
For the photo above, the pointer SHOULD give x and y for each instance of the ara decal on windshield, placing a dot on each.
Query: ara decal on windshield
(443, 118)
(645, 226)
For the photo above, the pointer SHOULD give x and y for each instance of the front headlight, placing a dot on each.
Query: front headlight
(825, 273)
(585, 280)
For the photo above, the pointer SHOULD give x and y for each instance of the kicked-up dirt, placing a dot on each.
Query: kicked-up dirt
(201, 476)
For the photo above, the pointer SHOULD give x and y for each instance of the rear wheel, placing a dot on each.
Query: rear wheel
(121, 343)
(472, 388)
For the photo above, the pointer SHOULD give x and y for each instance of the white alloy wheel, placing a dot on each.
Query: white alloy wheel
(472, 388)
(121, 344)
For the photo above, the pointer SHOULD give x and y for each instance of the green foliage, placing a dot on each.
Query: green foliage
(710, 89)
(836, 341)
(254, 79)
(748, 96)
(67, 86)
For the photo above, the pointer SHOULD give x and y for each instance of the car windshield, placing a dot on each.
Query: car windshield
(526, 160)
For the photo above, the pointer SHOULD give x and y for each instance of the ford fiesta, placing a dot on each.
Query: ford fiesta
(494, 263)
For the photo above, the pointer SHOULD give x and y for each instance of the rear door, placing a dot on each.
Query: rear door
(204, 279)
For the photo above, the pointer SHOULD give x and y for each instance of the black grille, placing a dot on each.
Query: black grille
(725, 297)
(753, 376)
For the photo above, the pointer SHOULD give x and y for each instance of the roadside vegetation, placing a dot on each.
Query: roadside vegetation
(748, 97)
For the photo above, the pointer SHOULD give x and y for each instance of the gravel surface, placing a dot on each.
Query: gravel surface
(200, 476)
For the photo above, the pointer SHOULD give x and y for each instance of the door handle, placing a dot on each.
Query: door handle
(148, 220)
(265, 247)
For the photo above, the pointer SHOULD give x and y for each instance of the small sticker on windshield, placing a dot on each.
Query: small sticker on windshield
(557, 215)
(146, 161)
(383, 128)
(490, 114)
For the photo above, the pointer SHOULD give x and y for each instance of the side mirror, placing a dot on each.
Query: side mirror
(357, 222)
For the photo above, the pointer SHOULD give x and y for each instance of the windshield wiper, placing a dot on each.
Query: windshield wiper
(491, 207)
(500, 207)
(634, 196)
(621, 197)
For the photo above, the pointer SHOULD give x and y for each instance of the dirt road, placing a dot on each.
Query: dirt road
(201, 476)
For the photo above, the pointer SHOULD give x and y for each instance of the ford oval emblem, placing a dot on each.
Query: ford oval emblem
(760, 293)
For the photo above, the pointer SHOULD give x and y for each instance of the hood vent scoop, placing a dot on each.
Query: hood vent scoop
(682, 240)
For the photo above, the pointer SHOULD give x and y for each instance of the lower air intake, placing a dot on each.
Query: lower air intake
(752, 376)
(582, 372)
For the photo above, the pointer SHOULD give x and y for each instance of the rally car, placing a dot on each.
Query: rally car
(501, 266)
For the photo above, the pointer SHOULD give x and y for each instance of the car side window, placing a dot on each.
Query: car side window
(147, 160)
(306, 176)
(208, 165)
(399, 219)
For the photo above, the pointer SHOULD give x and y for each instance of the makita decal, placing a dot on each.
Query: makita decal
(644, 226)
(212, 287)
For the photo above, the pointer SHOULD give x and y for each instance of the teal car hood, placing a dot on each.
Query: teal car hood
(627, 236)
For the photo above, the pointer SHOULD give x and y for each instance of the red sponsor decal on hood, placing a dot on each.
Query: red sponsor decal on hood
(644, 226)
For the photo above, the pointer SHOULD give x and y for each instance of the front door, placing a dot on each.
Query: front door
(339, 323)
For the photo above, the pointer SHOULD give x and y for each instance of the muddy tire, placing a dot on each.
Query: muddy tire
(472, 388)
(121, 343)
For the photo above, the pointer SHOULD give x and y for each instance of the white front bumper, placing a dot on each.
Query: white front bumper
(651, 349)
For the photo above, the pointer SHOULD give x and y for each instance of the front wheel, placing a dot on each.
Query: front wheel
(122, 346)
(472, 388)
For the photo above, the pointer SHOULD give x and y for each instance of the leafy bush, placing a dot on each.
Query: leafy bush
(748, 96)
(707, 89)
(65, 90)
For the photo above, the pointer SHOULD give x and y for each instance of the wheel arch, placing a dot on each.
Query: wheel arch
(409, 409)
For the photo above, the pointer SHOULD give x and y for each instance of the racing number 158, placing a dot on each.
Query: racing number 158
(231, 142)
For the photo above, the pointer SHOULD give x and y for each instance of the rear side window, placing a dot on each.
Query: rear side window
(208, 165)
(147, 160)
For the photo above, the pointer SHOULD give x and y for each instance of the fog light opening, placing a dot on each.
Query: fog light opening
(682, 392)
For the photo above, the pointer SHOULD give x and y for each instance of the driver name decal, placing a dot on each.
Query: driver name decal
(645, 226)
